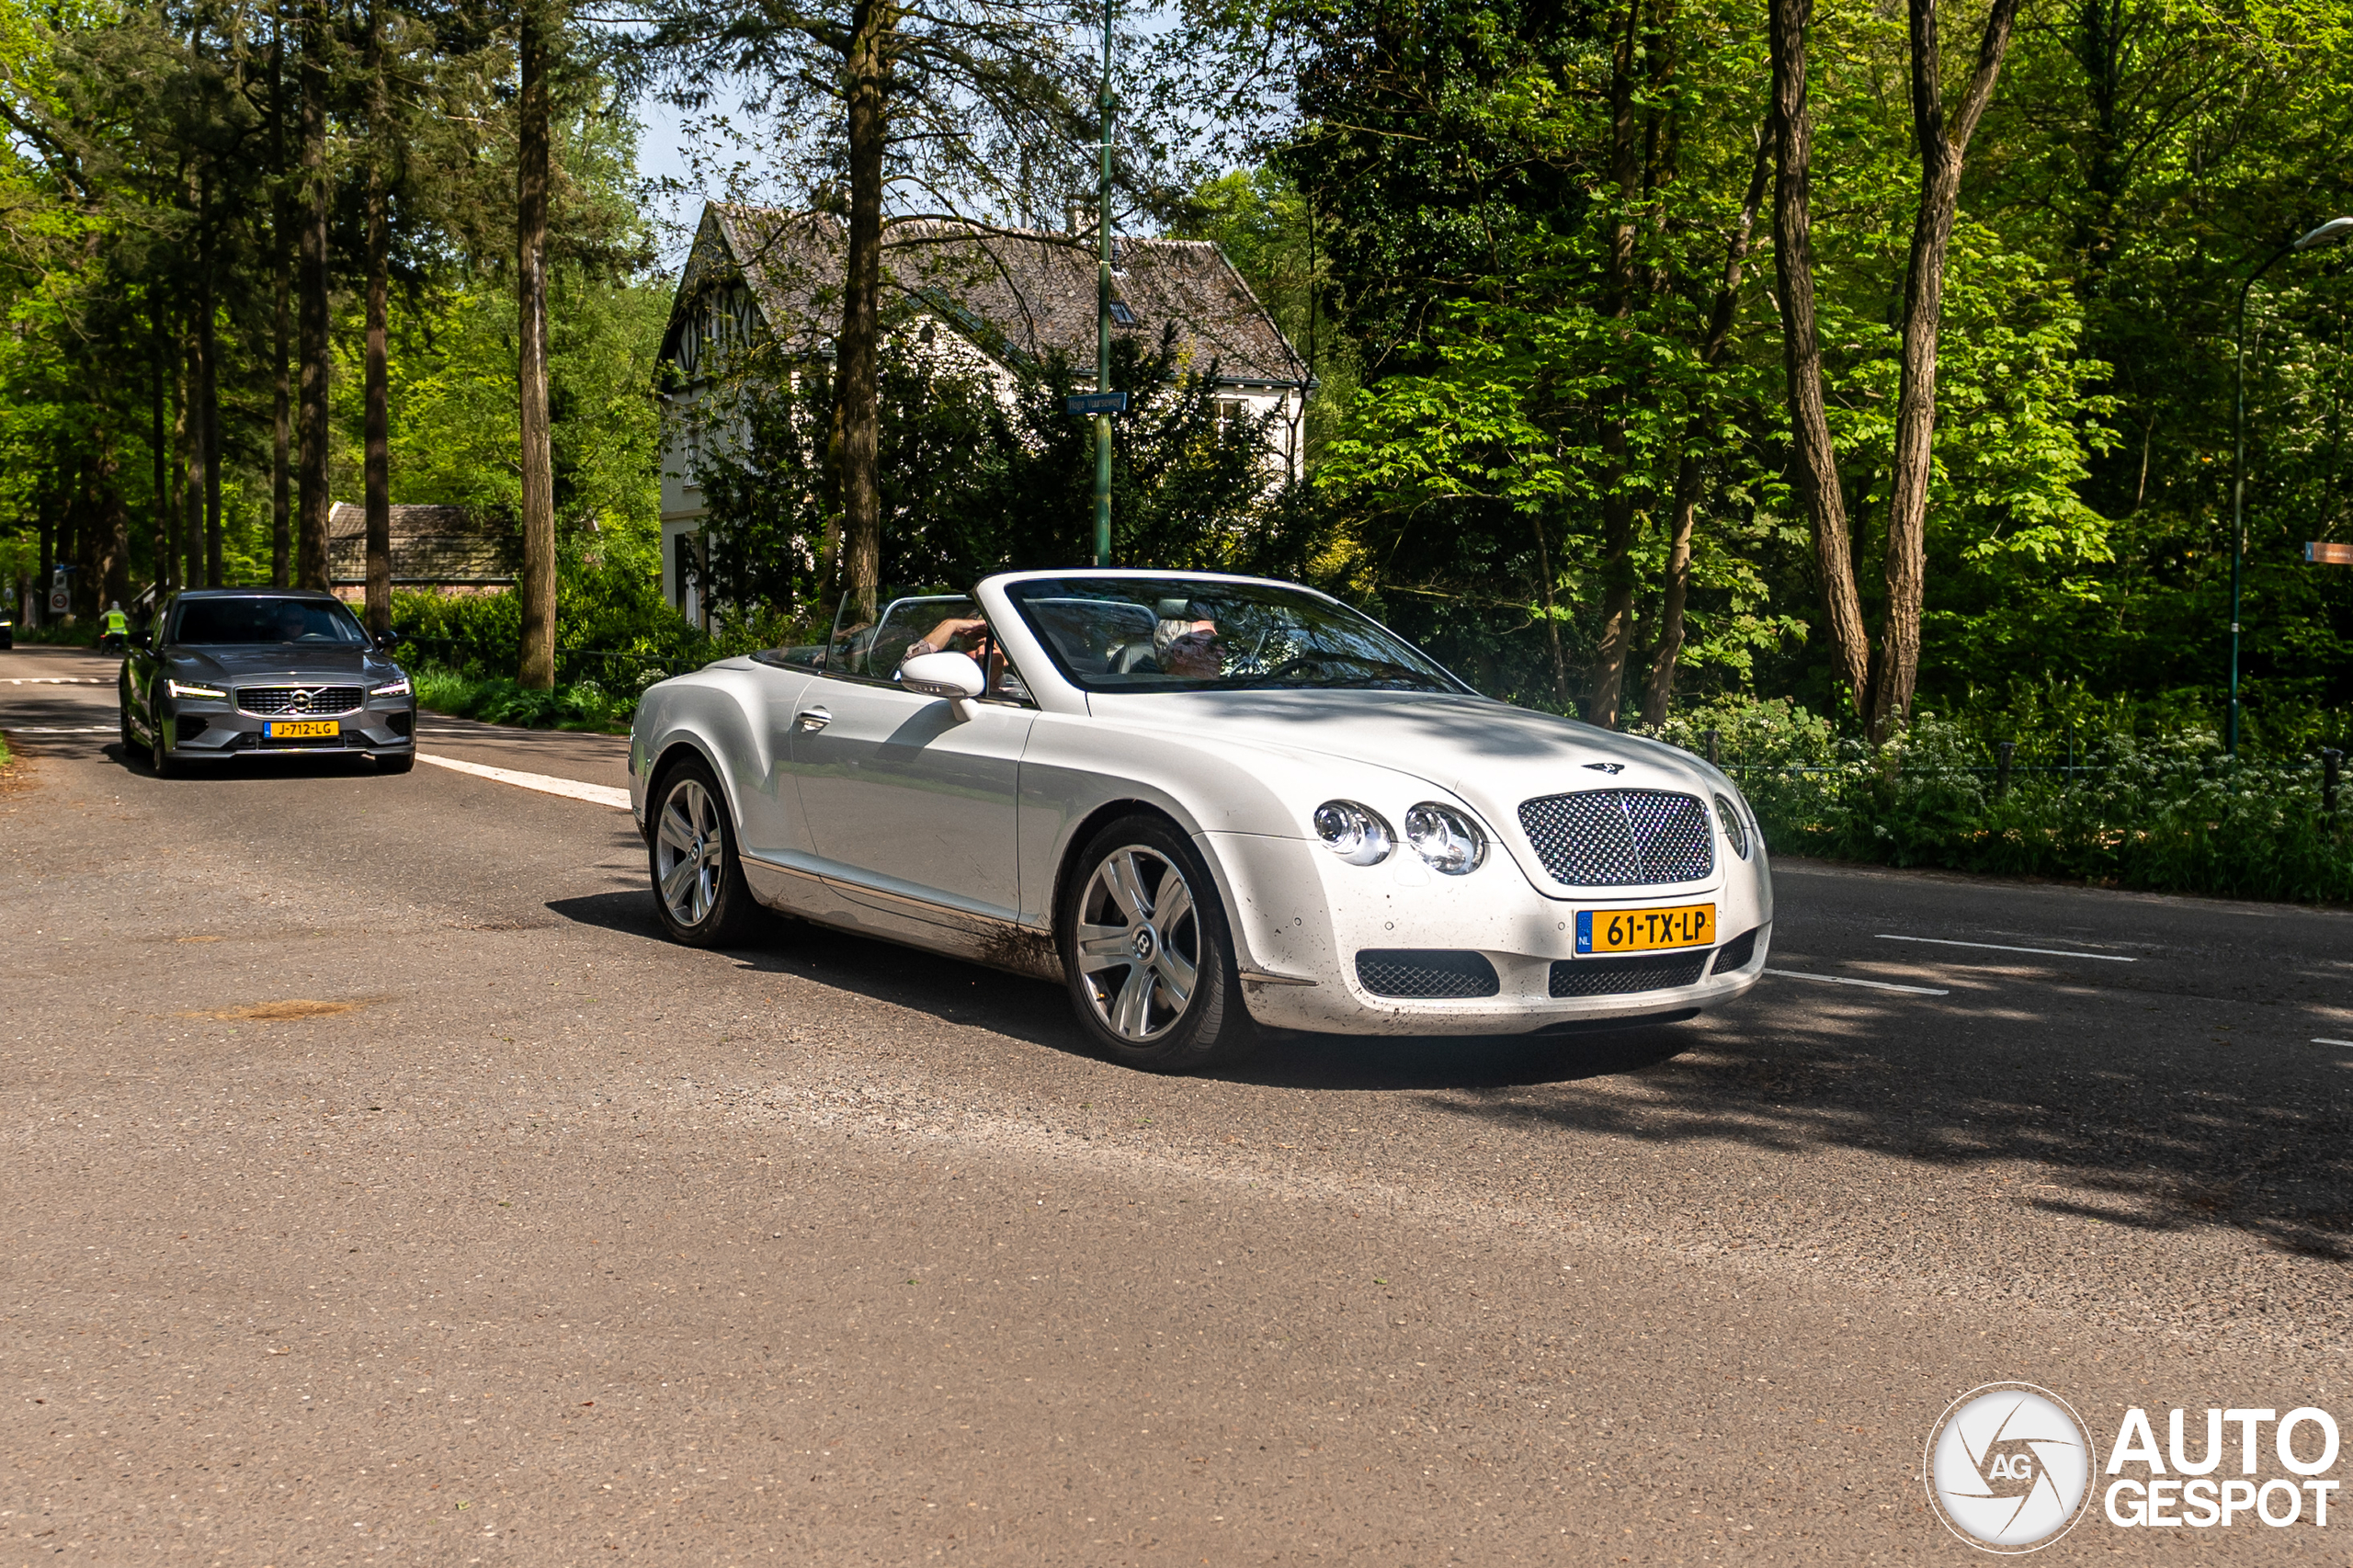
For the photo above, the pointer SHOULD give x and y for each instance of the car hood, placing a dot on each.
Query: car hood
(1490, 755)
(274, 663)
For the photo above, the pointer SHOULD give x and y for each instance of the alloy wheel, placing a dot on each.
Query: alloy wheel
(689, 852)
(1140, 943)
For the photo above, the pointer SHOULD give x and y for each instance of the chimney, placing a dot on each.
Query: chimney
(1079, 217)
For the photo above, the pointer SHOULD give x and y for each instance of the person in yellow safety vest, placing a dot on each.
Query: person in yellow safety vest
(116, 638)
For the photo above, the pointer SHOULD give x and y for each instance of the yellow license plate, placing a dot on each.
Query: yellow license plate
(301, 729)
(1641, 930)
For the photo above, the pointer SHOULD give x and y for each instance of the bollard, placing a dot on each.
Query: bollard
(2003, 751)
(2330, 757)
(1711, 737)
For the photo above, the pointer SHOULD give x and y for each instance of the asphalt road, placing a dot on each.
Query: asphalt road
(381, 1185)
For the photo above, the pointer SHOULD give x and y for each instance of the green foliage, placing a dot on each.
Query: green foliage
(496, 699)
(2165, 813)
(971, 485)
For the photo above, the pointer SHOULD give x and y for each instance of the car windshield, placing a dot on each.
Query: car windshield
(310, 623)
(1192, 634)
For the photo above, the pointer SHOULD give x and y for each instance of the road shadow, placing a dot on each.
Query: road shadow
(1036, 1012)
(2165, 1137)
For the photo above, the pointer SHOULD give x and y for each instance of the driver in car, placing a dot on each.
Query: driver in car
(1185, 643)
(292, 623)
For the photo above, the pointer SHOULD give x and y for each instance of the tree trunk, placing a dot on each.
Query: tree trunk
(1617, 500)
(537, 658)
(282, 426)
(311, 569)
(208, 352)
(159, 554)
(1943, 150)
(867, 68)
(377, 459)
(1815, 455)
(282, 510)
(191, 434)
(114, 520)
(1688, 469)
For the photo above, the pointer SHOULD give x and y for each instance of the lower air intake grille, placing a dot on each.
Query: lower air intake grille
(1616, 977)
(1425, 974)
(1737, 953)
(299, 701)
(1614, 838)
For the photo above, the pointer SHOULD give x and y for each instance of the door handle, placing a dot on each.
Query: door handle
(812, 718)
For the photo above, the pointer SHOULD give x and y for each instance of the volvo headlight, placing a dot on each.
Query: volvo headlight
(1447, 839)
(180, 689)
(1356, 834)
(1735, 829)
(393, 688)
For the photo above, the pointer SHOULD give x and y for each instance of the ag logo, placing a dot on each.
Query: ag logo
(2009, 1468)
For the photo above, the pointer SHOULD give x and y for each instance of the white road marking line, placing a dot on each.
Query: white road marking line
(2319, 1040)
(1848, 980)
(570, 788)
(58, 680)
(61, 730)
(2005, 948)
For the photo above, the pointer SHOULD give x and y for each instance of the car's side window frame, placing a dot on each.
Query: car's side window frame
(826, 669)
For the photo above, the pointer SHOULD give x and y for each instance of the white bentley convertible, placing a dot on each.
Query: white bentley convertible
(1199, 800)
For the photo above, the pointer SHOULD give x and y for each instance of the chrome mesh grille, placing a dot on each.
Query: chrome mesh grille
(1425, 974)
(1614, 838)
(300, 700)
(1616, 977)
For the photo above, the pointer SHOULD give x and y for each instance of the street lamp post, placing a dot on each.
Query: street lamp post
(2327, 233)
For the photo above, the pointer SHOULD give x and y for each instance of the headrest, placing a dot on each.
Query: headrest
(1174, 610)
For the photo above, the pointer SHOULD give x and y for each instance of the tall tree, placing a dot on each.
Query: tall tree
(314, 200)
(1943, 146)
(376, 439)
(537, 584)
(920, 111)
(1814, 452)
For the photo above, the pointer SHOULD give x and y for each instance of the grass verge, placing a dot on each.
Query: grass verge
(495, 700)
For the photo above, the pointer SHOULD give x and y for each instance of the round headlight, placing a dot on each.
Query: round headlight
(1356, 834)
(1447, 839)
(1735, 829)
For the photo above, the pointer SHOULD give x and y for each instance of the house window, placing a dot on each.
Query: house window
(1122, 314)
(1230, 413)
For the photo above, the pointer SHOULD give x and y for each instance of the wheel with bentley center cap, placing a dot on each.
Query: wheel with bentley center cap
(1146, 952)
(698, 887)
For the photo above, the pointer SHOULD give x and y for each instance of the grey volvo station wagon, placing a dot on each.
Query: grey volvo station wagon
(226, 673)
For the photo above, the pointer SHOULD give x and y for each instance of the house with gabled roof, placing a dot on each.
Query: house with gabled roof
(980, 299)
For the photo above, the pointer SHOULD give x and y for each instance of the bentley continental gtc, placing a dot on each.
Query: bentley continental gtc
(1202, 802)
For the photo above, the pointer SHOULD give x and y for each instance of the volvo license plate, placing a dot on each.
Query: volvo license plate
(301, 729)
(1641, 930)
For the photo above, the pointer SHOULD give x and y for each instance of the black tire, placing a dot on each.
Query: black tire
(711, 907)
(159, 756)
(396, 761)
(122, 712)
(1135, 1003)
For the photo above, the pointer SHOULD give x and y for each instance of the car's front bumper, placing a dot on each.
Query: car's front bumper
(1302, 916)
(198, 728)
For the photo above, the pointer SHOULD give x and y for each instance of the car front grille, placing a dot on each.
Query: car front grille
(301, 701)
(1737, 953)
(1616, 977)
(1614, 838)
(1425, 974)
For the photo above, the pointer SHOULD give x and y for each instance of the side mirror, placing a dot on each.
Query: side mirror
(391, 639)
(141, 636)
(951, 676)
